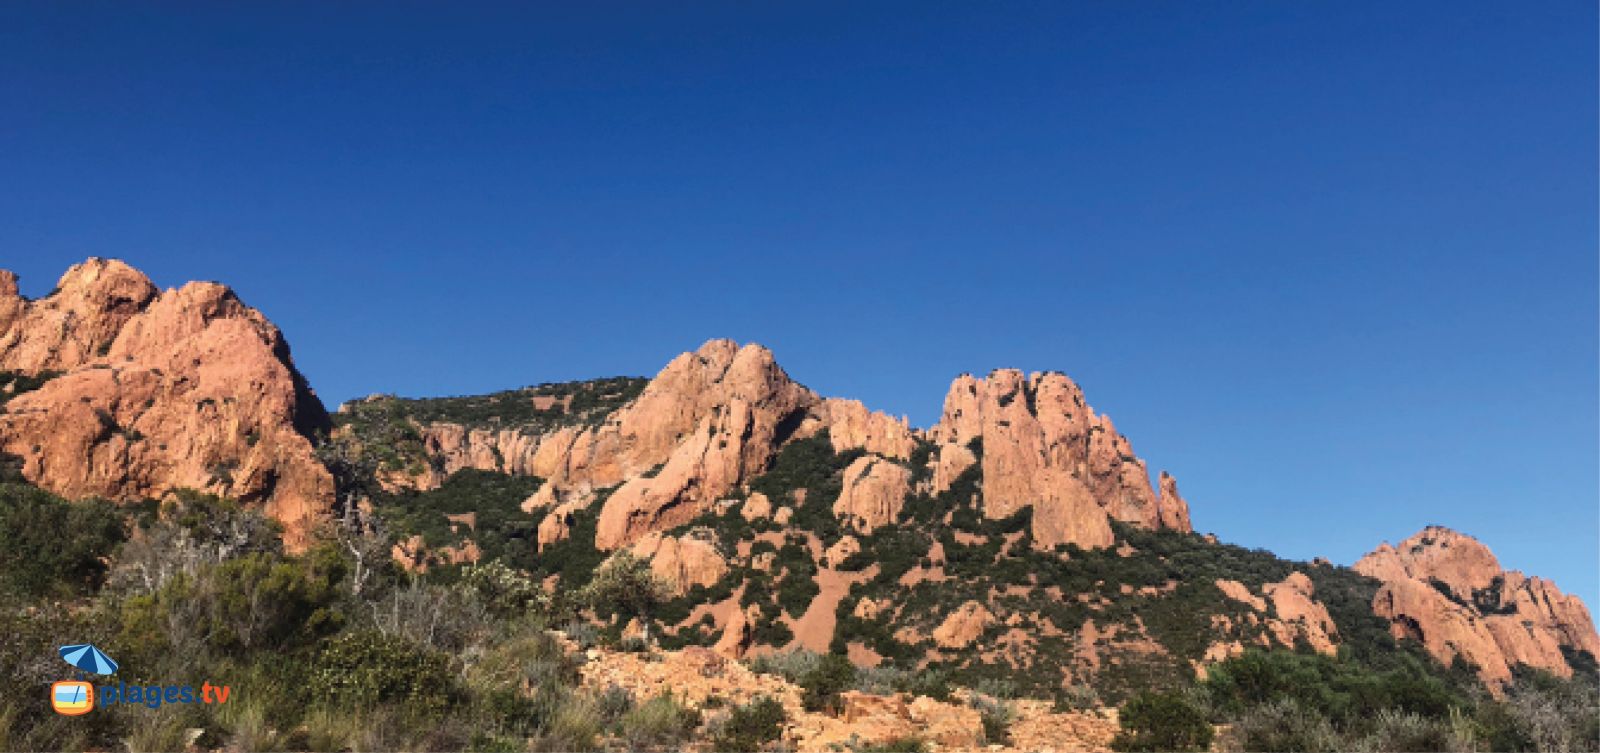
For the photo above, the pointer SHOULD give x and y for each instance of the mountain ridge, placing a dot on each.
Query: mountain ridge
(1018, 534)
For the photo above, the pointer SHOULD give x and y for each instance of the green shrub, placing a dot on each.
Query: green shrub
(1282, 726)
(896, 745)
(626, 587)
(822, 684)
(996, 718)
(750, 727)
(368, 668)
(574, 728)
(1404, 732)
(613, 703)
(505, 593)
(1340, 689)
(49, 546)
(659, 723)
(1162, 722)
(790, 665)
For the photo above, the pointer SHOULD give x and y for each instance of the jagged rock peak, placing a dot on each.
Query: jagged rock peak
(76, 322)
(156, 391)
(1448, 591)
(1043, 445)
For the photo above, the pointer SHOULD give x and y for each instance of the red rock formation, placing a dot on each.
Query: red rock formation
(872, 494)
(188, 388)
(1299, 615)
(1044, 446)
(712, 420)
(963, 626)
(852, 426)
(1447, 591)
(683, 561)
(1174, 511)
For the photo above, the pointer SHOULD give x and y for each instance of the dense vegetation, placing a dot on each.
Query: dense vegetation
(492, 502)
(1288, 701)
(388, 428)
(318, 658)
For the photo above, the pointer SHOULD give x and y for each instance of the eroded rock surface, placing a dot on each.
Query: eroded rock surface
(1448, 591)
(1042, 445)
(158, 391)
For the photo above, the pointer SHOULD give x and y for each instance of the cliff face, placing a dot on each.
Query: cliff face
(152, 391)
(1043, 445)
(1447, 591)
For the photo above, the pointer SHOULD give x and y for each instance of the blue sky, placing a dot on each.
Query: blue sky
(1332, 264)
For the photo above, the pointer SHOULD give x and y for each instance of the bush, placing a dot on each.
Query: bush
(1404, 732)
(790, 665)
(823, 683)
(1339, 689)
(659, 723)
(249, 603)
(1282, 726)
(750, 727)
(613, 703)
(625, 586)
(573, 727)
(996, 717)
(366, 668)
(505, 593)
(49, 546)
(1162, 722)
(896, 745)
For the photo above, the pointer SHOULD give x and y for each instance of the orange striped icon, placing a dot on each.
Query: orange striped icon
(72, 697)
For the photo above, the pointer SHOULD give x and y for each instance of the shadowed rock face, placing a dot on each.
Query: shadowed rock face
(1447, 590)
(187, 388)
(1043, 445)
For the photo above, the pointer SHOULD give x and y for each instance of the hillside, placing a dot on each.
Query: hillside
(1017, 557)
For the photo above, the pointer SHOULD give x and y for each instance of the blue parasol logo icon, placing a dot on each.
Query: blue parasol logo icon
(86, 657)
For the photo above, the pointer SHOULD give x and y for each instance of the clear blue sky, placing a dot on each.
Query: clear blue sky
(1332, 264)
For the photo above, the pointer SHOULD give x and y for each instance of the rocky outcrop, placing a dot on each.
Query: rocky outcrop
(851, 426)
(1289, 612)
(683, 561)
(873, 492)
(1300, 617)
(187, 388)
(1042, 445)
(714, 418)
(1447, 591)
(756, 507)
(1174, 511)
(953, 460)
(76, 323)
(736, 636)
(963, 626)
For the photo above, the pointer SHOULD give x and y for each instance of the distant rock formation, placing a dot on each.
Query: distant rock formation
(156, 391)
(1447, 591)
(1042, 445)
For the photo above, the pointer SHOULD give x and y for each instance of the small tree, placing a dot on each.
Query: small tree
(624, 585)
(832, 675)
